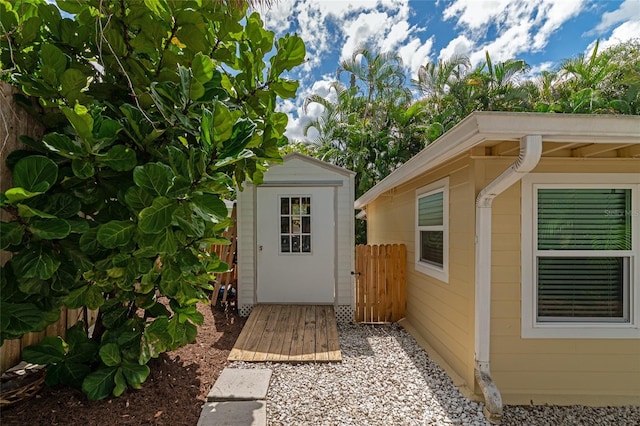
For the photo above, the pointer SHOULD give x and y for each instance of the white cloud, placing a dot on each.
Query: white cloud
(520, 25)
(511, 42)
(620, 34)
(459, 46)
(474, 15)
(414, 54)
(298, 118)
(367, 27)
(278, 16)
(536, 70)
(556, 12)
(629, 11)
(396, 35)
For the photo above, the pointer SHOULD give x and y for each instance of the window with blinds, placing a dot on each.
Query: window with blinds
(431, 228)
(583, 254)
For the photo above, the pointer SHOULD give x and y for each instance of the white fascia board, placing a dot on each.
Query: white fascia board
(585, 128)
(482, 126)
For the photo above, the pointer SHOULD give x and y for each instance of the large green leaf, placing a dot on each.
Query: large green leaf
(83, 169)
(209, 205)
(35, 174)
(89, 241)
(158, 216)
(100, 383)
(222, 124)
(120, 158)
(191, 225)
(81, 121)
(181, 333)
(26, 211)
(34, 286)
(285, 88)
(110, 354)
(36, 262)
(50, 229)
(62, 205)
(19, 318)
(10, 234)
(166, 242)
(120, 383)
(72, 81)
(68, 373)
(202, 67)
(115, 233)
(156, 178)
(81, 348)
(138, 198)
(13, 195)
(50, 350)
(290, 53)
(88, 295)
(64, 145)
(155, 340)
(135, 374)
(54, 60)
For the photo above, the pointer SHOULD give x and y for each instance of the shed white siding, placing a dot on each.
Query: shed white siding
(300, 171)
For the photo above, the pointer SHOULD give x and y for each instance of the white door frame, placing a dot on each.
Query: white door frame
(335, 184)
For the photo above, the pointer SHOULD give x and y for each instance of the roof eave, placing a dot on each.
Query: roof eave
(489, 125)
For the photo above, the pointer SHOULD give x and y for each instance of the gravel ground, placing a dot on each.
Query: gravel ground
(385, 378)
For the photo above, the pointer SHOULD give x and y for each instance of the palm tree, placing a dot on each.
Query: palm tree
(498, 88)
(435, 79)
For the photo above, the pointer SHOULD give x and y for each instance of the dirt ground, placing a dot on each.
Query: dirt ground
(172, 395)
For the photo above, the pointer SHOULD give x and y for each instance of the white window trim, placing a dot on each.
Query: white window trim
(434, 271)
(578, 330)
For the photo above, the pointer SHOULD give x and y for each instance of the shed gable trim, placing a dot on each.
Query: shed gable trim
(300, 183)
(319, 163)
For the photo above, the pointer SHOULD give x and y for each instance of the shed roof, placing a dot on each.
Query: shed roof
(320, 163)
(585, 135)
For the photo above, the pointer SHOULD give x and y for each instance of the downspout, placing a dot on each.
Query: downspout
(530, 153)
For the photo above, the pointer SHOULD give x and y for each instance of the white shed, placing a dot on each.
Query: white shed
(296, 237)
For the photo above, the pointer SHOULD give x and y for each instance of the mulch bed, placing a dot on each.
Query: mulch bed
(172, 395)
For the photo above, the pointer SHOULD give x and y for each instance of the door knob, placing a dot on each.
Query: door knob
(260, 248)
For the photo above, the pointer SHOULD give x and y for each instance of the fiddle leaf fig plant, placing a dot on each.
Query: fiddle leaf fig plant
(154, 113)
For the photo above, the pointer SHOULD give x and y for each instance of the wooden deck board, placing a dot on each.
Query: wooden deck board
(238, 351)
(321, 334)
(289, 333)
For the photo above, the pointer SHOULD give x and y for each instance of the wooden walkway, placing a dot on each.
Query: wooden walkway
(289, 333)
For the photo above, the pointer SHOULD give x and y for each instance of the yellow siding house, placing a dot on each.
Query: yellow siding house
(523, 255)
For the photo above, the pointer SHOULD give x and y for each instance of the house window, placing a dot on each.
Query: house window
(582, 259)
(295, 224)
(432, 234)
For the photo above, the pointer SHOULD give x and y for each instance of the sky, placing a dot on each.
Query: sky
(541, 32)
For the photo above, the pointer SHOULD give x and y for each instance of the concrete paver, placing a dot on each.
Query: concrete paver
(234, 413)
(236, 384)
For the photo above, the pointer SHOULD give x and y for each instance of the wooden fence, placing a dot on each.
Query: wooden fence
(380, 283)
(227, 254)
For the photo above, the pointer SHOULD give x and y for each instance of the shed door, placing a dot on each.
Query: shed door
(295, 245)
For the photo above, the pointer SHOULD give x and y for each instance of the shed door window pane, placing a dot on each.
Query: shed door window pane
(295, 224)
(593, 286)
(430, 225)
